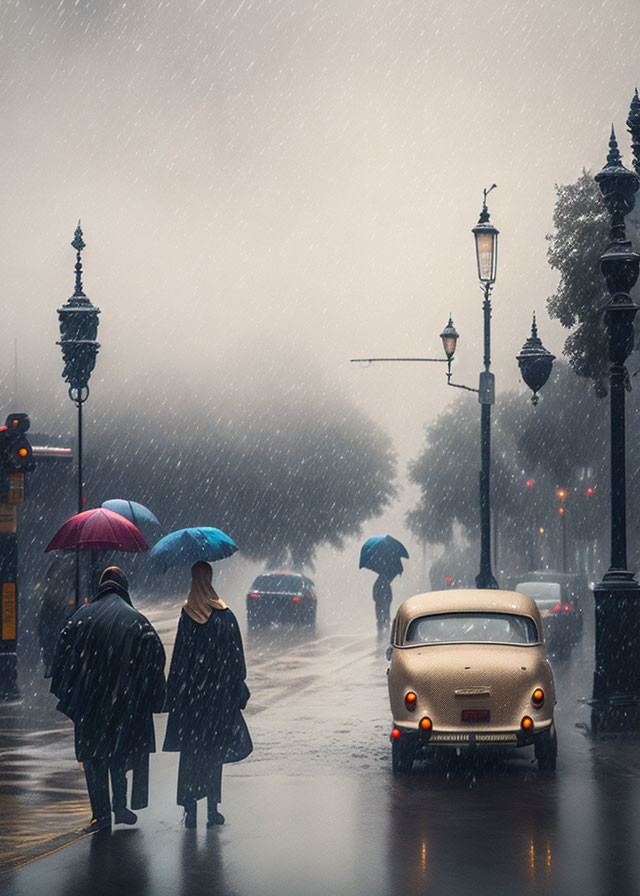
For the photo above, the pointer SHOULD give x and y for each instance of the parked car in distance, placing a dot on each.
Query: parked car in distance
(281, 596)
(560, 597)
(469, 670)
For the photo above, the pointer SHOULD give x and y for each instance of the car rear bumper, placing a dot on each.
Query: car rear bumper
(473, 738)
(265, 610)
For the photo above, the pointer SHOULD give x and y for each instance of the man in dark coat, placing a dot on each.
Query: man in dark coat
(108, 674)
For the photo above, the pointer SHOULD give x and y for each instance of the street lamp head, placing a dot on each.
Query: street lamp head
(633, 126)
(486, 237)
(618, 186)
(535, 362)
(78, 331)
(449, 338)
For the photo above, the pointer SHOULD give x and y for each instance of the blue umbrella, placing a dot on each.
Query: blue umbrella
(137, 514)
(186, 546)
(382, 554)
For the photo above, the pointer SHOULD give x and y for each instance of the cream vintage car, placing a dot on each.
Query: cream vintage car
(469, 669)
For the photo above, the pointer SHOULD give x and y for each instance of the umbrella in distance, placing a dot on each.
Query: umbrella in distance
(136, 513)
(382, 554)
(98, 530)
(187, 546)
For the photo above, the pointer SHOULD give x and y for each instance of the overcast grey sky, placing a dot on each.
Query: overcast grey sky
(301, 174)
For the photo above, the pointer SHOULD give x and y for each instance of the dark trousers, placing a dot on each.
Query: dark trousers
(199, 775)
(382, 614)
(97, 774)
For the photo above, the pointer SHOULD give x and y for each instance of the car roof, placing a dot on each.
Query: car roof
(464, 600)
(284, 572)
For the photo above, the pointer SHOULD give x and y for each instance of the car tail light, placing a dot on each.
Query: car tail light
(568, 608)
(410, 700)
(254, 594)
(557, 608)
(313, 595)
(426, 724)
(297, 600)
(395, 734)
(527, 723)
(537, 698)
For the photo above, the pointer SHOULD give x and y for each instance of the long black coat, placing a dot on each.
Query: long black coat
(206, 689)
(108, 674)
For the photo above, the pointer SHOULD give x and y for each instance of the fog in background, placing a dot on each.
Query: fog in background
(268, 189)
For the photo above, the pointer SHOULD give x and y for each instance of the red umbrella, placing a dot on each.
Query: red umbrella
(99, 530)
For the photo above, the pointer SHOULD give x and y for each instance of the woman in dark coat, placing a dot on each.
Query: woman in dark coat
(206, 692)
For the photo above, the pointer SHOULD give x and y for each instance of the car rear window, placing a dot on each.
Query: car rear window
(545, 591)
(278, 583)
(477, 628)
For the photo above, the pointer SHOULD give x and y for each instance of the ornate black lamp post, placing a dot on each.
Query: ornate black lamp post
(486, 239)
(616, 681)
(78, 331)
(534, 362)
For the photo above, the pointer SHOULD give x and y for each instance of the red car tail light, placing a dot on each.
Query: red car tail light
(395, 734)
(410, 700)
(297, 600)
(568, 608)
(557, 608)
(254, 594)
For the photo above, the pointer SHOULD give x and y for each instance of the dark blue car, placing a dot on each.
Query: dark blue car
(281, 597)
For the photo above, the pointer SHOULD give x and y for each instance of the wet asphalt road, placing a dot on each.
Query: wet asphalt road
(316, 810)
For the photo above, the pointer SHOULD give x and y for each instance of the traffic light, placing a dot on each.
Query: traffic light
(562, 494)
(16, 457)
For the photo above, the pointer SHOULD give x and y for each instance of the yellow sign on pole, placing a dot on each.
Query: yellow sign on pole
(16, 488)
(9, 611)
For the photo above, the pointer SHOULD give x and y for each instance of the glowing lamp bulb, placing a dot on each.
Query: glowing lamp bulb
(426, 724)
(527, 723)
(537, 698)
(22, 452)
(411, 699)
(395, 734)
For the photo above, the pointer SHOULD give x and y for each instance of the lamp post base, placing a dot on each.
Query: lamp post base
(486, 579)
(9, 677)
(615, 706)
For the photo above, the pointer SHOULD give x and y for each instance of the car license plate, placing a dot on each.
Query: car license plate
(476, 715)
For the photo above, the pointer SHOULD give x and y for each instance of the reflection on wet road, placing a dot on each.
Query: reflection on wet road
(316, 808)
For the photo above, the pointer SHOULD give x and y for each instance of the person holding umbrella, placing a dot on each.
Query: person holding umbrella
(108, 674)
(383, 554)
(206, 692)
